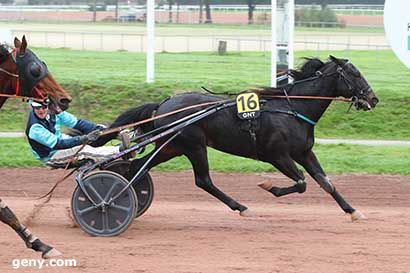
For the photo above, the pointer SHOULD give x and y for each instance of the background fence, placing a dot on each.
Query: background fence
(187, 43)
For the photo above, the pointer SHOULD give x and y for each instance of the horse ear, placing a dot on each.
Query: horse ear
(23, 46)
(17, 42)
(333, 58)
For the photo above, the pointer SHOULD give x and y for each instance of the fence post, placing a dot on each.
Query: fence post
(122, 42)
(187, 43)
(82, 40)
(101, 41)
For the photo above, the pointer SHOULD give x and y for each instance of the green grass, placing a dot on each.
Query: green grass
(335, 159)
(104, 84)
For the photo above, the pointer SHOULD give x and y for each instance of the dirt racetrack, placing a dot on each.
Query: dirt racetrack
(186, 230)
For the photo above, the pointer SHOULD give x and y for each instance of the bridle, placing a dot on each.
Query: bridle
(35, 94)
(358, 92)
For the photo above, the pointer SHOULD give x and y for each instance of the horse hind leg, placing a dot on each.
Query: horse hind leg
(288, 168)
(199, 160)
(8, 217)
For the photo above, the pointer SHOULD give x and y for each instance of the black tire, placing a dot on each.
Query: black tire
(144, 188)
(115, 217)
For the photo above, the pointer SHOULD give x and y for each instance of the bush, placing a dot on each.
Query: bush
(316, 18)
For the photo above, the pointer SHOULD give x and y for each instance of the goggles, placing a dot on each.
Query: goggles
(38, 105)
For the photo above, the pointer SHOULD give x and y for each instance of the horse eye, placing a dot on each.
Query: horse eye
(35, 70)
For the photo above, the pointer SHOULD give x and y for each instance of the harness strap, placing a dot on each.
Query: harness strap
(294, 112)
(291, 113)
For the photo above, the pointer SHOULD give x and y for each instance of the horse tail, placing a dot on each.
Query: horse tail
(130, 116)
(137, 114)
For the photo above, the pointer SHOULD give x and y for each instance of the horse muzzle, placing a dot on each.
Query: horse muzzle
(59, 106)
(64, 103)
(366, 102)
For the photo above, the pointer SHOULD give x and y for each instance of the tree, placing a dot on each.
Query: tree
(170, 4)
(251, 8)
(6, 1)
(95, 11)
(201, 13)
(208, 19)
(178, 7)
(322, 3)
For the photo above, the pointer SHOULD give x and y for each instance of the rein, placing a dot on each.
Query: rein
(309, 98)
(24, 98)
(120, 128)
(9, 73)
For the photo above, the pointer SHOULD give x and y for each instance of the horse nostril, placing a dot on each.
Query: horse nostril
(65, 101)
(375, 101)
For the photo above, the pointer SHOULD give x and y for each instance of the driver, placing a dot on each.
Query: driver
(52, 147)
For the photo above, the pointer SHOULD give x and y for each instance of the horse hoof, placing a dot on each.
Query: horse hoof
(267, 186)
(51, 253)
(246, 213)
(357, 215)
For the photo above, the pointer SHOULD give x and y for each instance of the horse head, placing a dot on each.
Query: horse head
(22, 73)
(352, 84)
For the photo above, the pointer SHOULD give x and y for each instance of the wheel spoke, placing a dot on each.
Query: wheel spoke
(95, 192)
(86, 210)
(108, 195)
(104, 216)
(120, 207)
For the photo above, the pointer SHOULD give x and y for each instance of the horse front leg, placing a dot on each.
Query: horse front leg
(309, 161)
(8, 217)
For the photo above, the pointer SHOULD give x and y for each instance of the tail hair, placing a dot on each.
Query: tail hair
(130, 116)
(137, 114)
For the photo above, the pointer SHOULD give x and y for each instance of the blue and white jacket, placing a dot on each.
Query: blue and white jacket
(45, 137)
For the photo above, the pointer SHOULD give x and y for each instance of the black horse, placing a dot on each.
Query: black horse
(282, 135)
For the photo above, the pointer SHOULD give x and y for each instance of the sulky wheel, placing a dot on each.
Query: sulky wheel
(144, 188)
(108, 218)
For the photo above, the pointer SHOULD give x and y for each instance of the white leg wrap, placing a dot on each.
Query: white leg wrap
(27, 233)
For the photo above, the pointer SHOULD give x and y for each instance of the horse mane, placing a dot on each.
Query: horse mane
(4, 52)
(306, 70)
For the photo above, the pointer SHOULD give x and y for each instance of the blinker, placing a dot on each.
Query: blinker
(31, 70)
